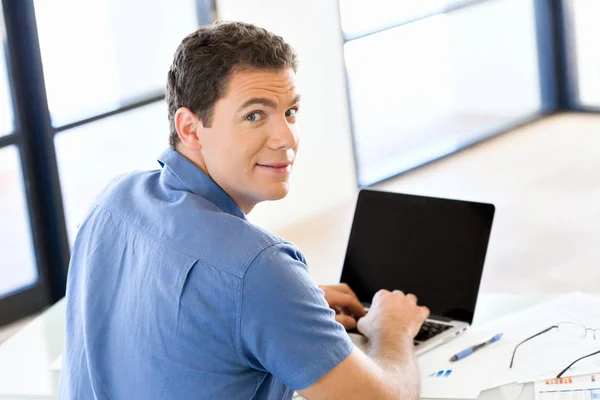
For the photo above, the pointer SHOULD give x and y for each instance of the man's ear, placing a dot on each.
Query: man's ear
(187, 125)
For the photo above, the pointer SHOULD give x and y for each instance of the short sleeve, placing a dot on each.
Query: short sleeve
(286, 326)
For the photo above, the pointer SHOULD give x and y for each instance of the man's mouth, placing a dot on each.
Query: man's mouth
(277, 166)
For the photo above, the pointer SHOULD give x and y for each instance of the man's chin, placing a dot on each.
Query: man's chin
(278, 192)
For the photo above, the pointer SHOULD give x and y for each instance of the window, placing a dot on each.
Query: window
(6, 111)
(105, 149)
(586, 30)
(103, 66)
(427, 88)
(358, 20)
(101, 55)
(18, 268)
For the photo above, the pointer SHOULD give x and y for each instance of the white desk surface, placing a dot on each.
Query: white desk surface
(26, 356)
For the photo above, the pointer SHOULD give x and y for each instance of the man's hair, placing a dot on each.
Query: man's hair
(207, 58)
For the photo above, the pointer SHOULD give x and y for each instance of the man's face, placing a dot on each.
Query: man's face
(250, 148)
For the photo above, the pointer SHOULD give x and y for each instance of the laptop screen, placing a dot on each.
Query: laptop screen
(434, 248)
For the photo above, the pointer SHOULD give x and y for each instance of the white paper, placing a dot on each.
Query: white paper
(575, 388)
(449, 385)
(477, 372)
(541, 358)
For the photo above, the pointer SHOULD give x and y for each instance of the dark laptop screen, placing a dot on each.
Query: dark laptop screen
(434, 248)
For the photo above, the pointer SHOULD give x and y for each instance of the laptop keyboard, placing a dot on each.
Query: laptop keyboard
(429, 330)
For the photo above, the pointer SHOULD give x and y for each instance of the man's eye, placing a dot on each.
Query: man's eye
(291, 112)
(255, 116)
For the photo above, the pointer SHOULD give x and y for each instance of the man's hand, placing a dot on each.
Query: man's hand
(345, 304)
(392, 371)
(393, 316)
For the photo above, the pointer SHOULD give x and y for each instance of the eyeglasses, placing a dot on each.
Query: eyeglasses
(569, 329)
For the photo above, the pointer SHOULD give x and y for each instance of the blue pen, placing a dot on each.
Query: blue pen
(470, 350)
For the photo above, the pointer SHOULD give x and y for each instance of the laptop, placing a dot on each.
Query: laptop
(431, 247)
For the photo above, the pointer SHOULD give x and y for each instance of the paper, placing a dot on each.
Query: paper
(55, 366)
(449, 384)
(586, 387)
(541, 358)
(474, 373)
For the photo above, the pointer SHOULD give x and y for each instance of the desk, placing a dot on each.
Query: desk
(25, 357)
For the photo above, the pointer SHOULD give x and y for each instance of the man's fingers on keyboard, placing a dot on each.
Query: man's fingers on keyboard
(412, 298)
(346, 320)
(380, 292)
(345, 300)
(343, 287)
(347, 311)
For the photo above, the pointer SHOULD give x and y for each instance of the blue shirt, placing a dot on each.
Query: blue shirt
(173, 294)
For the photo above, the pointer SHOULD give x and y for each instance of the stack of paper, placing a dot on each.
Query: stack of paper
(575, 388)
(541, 358)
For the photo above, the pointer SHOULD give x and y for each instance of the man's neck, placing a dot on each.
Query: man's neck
(196, 158)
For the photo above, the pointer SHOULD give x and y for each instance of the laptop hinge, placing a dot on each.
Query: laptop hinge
(440, 318)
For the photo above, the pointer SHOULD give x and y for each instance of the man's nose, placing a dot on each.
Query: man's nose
(283, 136)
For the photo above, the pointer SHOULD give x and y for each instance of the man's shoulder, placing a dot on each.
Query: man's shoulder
(239, 242)
(127, 186)
(186, 221)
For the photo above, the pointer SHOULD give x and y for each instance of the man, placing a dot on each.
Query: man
(173, 294)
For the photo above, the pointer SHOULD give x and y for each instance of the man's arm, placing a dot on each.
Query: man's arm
(389, 369)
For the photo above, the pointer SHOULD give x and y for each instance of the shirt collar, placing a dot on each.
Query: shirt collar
(198, 182)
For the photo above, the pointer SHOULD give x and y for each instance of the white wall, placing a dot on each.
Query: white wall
(324, 175)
